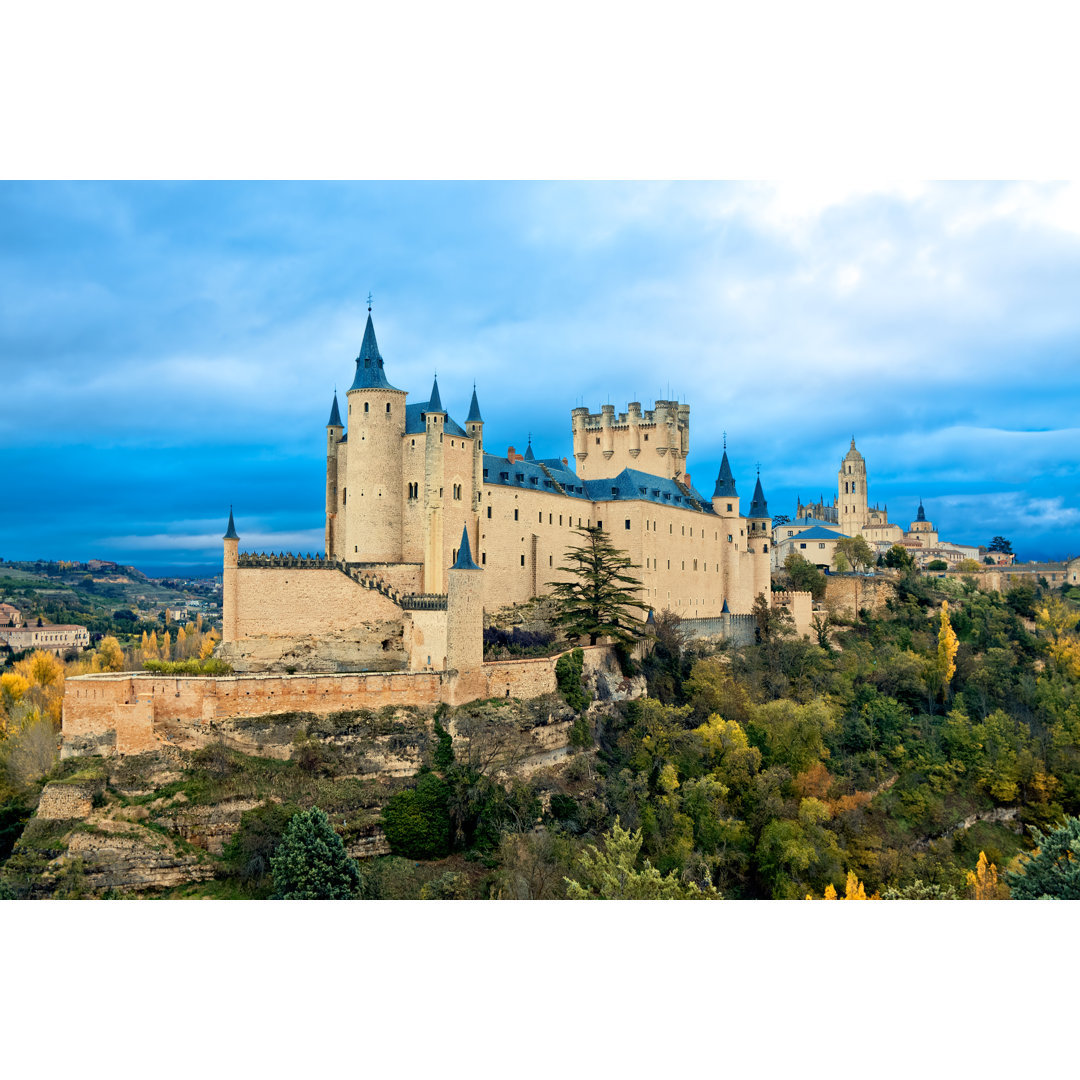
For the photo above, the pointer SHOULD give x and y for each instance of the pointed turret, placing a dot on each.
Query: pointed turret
(369, 364)
(230, 533)
(335, 416)
(474, 416)
(435, 404)
(921, 516)
(725, 482)
(758, 507)
(725, 610)
(529, 455)
(464, 558)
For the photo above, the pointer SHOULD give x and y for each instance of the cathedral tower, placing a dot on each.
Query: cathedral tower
(851, 498)
(371, 497)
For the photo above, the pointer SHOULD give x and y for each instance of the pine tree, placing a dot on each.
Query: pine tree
(1053, 871)
(597, 602)
(311, 863)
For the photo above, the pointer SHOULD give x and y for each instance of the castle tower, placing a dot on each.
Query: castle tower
(759, 526)
(474, 428)
(372, 493)
(230, 585)
(434, 473)
(465, 612)
(851, 497)
(334, 430)
(725, 502)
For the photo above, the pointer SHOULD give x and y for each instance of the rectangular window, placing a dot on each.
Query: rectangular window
(551, 561)
(489, 511)
(540, 520)
(599, 523)
(821, 546)
(628, 523)
(669, 567)
(729, 507)
(483, 558)
(729, 539)
(515, 513)
(802, 545)
(560, 519)
(522, 560)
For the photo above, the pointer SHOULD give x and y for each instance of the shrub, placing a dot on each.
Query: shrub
(209, 666)
(248, 852)
(417, 821)
(443, 757)
(568, 670)
(311, 863)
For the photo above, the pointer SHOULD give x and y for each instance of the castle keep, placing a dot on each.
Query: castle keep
(425, 529)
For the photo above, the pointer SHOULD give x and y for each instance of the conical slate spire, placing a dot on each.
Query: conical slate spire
(369, 364)
(725, 482)
(335, 416)
(435, 404)
(474, 416)
(230, 533)
(529, 455)
(758, 507)
(464, 555)
(922, 513)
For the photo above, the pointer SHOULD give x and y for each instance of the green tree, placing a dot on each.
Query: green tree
(773, 621)
(999, 543)
(611, 875)
(1053, 871)
(443, 756)
(568, 670)
(936, 565)
(599, 599)
(899, 558)
(417, 820)
(805, 575)
(311, 863)
(856, 551)
(249, 850)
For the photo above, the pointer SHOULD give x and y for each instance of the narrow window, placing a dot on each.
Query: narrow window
(515, 518)
(343, 491)
(489, 511)
(365, 406)
(540, 519)
(388, 406)
(453, 555)
(729, 507)
(522, 560)
(598, 441)
(483, 558)
(551, 560)
(628, 523)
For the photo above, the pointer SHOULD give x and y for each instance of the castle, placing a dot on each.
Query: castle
(416, 507)
(818, 526)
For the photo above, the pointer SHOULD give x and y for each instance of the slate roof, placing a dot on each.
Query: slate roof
(464, 559)
(529, 455)
(230, 533)
(629, 485)
(725, 482)
(817, 533)
(759, 508)
(474, 410)
(805, 523)
(414, 419)
(369, 364)
(335, 416)
(435, 404)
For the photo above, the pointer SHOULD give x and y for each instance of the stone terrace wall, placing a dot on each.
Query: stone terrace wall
(142, 709)
(840, 593)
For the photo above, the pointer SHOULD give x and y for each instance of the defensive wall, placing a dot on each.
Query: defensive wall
(853, 592)
(133, 712)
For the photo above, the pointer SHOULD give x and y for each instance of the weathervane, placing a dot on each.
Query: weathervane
(725, 440)
(369, 301)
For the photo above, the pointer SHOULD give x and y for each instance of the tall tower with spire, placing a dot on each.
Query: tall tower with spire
(434, 479)
(230, 629)
(725, 502)
(371, 496)
(334, 430)
(759, 526)
(851, 495)
(474, 428)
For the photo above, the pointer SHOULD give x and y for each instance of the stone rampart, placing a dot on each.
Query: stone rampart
(132, 712)
(843, 590)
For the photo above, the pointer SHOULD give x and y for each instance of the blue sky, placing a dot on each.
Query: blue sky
(169, 349)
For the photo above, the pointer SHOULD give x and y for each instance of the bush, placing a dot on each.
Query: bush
(311, 863)
(937, 564)
(443, 757)
(209, 666)
(417, 821)
(568, 670)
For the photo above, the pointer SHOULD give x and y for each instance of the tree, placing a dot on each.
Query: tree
(805, 575)
(110, 657)
(773, 621)
(999, 543)
(252, 846)
(610, 874)
(856, 551)
(969, 566)
(311, 863)
(946, 651)
(568, 670)
(417, 820)
(899, 558)
(983, 880)
(936, 565)
(1053, 871)
(597, 602)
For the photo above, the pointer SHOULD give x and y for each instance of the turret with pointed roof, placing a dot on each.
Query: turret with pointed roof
(529, 455)
(369, 364)
(464, 558)
(474, 416)
(435, 404)
(230, 532)
(725, 482)
(759, 508)
(335, 416)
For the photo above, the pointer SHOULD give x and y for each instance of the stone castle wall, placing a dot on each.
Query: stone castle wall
(842, 590)
(128, 713)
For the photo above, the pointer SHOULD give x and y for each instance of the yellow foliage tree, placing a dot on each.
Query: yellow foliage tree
(208, 644)
(854, 890)
(109, 657)
(41, 668)
(983, 881)
(151, 649)
(946, 650)
(166, 646)
(181, 643)
(198, 622)
(830, 891)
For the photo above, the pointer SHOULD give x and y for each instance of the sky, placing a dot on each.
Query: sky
(169, 349)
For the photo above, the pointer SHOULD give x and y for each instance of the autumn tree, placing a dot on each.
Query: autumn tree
(597, 602)
(946, 651)
(109, 657)
(983, 881)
